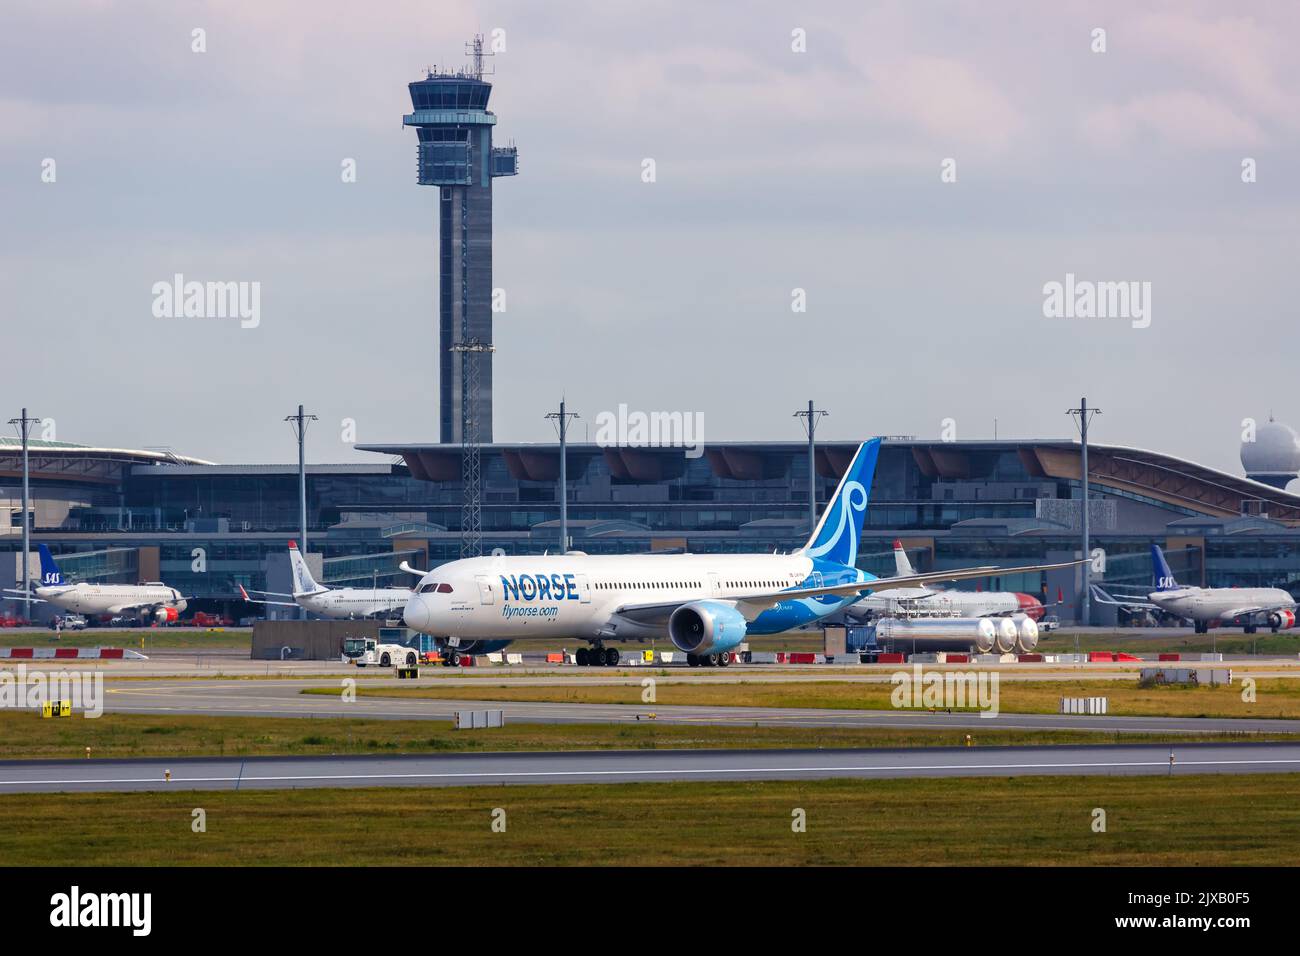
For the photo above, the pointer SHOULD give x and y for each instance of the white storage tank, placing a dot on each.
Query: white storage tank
(938, 633)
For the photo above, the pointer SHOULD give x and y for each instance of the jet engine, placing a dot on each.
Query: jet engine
(706, 627)
(166, 615)
(1281, 620)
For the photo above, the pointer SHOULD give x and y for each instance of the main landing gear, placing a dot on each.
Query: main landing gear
(708, 660)
(597, 656)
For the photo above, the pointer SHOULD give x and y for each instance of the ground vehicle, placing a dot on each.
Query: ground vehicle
(202, 619)
(366, 650)
(68, 622)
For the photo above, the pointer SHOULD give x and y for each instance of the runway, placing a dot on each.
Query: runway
(271, 698)
(286, 773)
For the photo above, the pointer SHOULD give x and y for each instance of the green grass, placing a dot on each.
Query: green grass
(25, 735)
(1136, 641)
(1274, 697)
(1150, 821)
(156, 637)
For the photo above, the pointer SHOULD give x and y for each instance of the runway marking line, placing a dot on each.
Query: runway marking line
(684, 770)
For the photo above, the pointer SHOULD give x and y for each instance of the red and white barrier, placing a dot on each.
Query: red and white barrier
(70, 654)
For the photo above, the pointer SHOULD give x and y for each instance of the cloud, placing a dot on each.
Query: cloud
(1183, 118)
(949, 102)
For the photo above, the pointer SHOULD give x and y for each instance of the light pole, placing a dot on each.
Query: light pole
(23, 424)
(1084, 415)
(299, 425)
(810, 423)
(562, 419)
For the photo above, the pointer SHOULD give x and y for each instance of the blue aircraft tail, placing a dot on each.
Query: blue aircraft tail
(50, 574)
(1163, 578)
(837, 534)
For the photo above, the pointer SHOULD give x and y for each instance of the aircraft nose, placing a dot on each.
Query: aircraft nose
(416, 614)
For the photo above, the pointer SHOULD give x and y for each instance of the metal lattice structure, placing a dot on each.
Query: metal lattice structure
(471, 470)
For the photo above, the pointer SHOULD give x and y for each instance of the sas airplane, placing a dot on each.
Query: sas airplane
(706, 604)
(1272, 607)
(152, 601)
(338, 603)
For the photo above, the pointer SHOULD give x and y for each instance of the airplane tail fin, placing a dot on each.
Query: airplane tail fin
(50, 573)
(1164, 578)
(303, 582)
(840, 528)
(902, 566)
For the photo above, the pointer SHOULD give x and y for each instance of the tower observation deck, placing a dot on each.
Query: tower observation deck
(456, 154)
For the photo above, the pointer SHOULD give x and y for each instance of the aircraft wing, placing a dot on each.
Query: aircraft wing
(1237, 612)
(898, 581)
(1104, 597)
(140, 606)
(21, 595)
(252, 600)
(751, 605)
(652, 615)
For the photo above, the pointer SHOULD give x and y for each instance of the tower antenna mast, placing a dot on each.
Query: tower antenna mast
(474, 50)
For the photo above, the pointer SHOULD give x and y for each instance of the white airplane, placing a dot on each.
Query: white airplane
(338, 603)
(1272, 607)
(929, 602)
(707, 604)
(151, 601)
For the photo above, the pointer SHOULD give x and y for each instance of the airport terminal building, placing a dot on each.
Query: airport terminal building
(119, 515)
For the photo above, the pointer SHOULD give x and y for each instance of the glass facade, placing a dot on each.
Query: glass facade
(214, 527)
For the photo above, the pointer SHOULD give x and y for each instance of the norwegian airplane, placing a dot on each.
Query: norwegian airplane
(706, 604)
(1272, 607)
(931, 603)
(152, 600)
(337, 603)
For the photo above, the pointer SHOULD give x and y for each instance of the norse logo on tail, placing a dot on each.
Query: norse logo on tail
(303, 582)
(837, 534)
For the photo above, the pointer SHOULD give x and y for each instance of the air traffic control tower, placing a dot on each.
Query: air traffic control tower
(456, 155)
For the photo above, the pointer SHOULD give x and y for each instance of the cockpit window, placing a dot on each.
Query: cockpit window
(444, 588)
(441, 587)
(426, 588)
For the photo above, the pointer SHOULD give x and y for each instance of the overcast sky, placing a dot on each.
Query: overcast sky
(775, 170)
